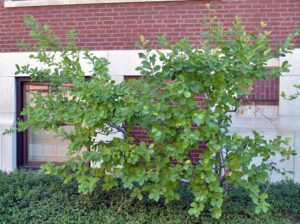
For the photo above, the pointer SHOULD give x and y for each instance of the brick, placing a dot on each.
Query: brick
(175, 19)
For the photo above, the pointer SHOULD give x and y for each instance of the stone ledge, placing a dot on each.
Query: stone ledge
(30, 3)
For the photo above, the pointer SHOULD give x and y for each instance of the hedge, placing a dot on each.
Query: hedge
(31, 197)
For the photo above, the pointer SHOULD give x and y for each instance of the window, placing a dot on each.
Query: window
(36, 148)
(28, 3)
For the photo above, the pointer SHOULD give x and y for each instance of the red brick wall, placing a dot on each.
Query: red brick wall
(117, 26)
(264, 93)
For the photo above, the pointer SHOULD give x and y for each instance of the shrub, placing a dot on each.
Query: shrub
(223, 67)
(285, 197)
(30, 197)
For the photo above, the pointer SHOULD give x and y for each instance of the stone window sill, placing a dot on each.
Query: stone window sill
(30, 3)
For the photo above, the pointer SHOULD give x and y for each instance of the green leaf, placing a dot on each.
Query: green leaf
(154, 195)
(216, 212)
(198, 118)
(264, 196)
(142, 38)
(187, 94)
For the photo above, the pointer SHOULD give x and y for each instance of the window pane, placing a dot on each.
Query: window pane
(43, 146)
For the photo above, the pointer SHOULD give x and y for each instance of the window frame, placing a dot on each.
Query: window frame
(22, 137)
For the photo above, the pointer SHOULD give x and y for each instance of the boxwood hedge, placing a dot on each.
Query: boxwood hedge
(31, 197)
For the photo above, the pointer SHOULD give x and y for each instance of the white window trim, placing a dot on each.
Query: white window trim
(29, 3)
